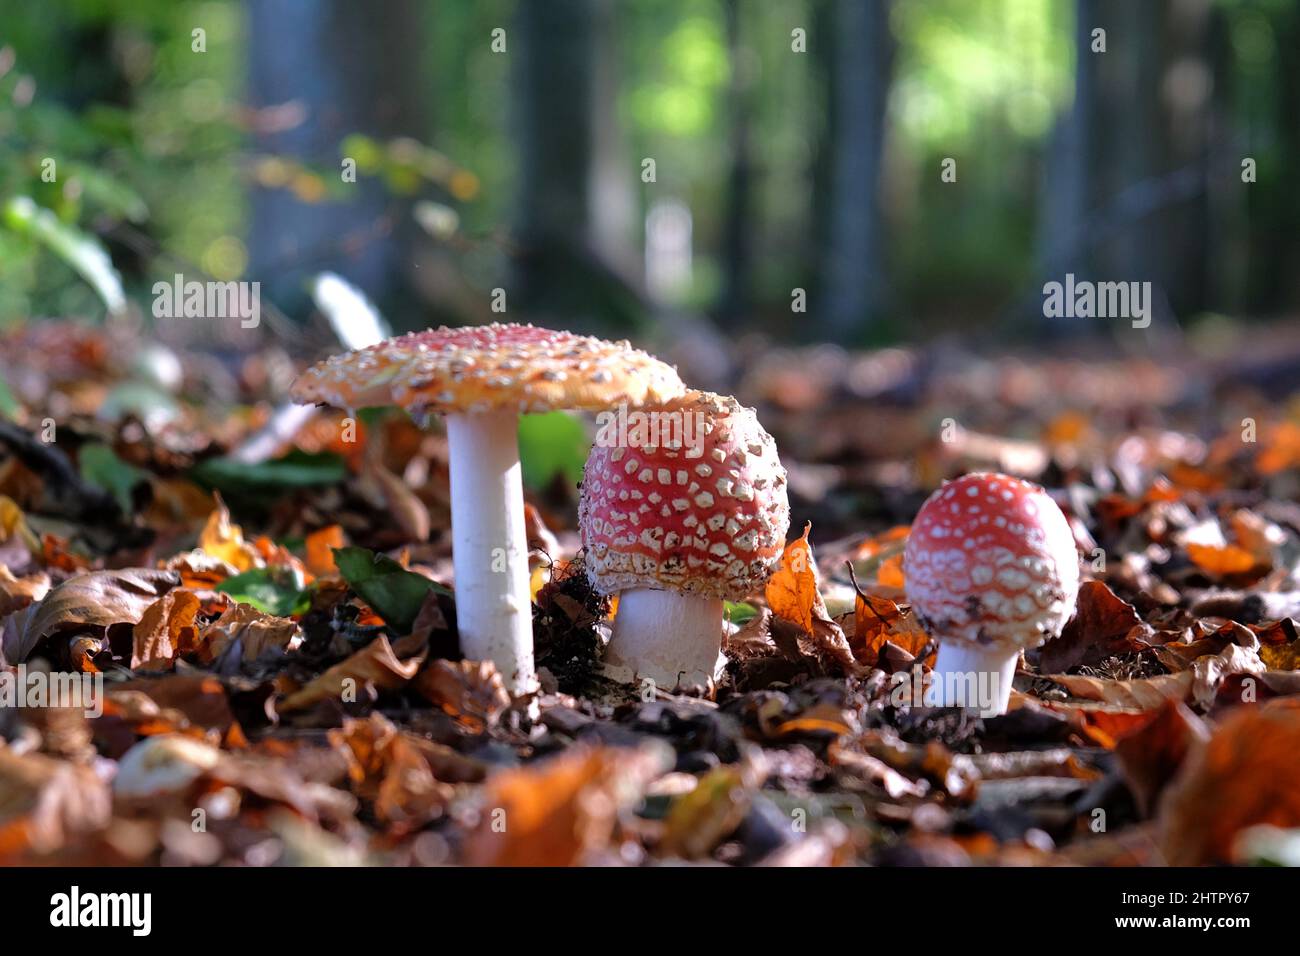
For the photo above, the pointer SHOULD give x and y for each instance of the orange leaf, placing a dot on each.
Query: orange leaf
(166, 629)
(320, 557)
(792, 590)
(1245, 776)
(1219, 561)
(225, 541)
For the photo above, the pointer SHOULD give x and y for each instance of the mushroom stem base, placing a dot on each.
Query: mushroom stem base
(490, 545)
(666, 637)
(976, 678)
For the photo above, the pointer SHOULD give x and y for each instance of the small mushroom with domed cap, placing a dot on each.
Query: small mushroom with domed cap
(482, 378)
(991, 567)
(675, 522)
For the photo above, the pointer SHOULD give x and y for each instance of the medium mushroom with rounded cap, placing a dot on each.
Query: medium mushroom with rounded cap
(684, 511)
(482, 378)
(991, 567)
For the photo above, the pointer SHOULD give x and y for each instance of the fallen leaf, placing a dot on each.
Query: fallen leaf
(319, 550)
(18, 593)
(1246, 775)
(794, 594)
(224, 540)
(1103, 625)
(165, 630)
(1146, 693)
(878, 621)
(1150, 756)
(396, 593)
(388, 771)
(562, 811)
(96, 600)
(13, 524)
(256, 631)
(374, 664)
(471, 692)
(45, 803)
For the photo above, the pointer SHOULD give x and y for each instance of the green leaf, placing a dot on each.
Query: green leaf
(295, 470)
(394, 592)
(82, 252)
(9, 406)
(272, 591)
(740, 613)
(551, 445)
(100, 466)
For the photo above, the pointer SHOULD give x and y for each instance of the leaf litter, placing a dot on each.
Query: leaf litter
(277, 644)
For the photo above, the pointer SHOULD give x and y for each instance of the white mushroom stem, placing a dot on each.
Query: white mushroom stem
(976, 678)
(667, 637)
(490, 545)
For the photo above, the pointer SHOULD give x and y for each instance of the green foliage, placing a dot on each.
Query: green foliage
(739, 613)
(297, 469)
(552, 445)
(395, 593)
(271, 590)
(100, 466)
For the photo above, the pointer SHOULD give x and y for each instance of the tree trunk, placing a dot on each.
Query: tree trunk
(853, 285)
(346, 70)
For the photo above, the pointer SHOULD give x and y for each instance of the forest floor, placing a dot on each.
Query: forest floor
(282, 684)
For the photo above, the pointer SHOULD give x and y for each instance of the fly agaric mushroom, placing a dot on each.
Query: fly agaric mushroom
(482, 378)
(990, 568)
(679, 516)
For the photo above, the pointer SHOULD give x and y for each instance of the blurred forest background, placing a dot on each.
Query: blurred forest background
(789, 145)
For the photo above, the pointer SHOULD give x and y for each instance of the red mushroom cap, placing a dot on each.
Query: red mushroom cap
(706, 515)
(991, 560)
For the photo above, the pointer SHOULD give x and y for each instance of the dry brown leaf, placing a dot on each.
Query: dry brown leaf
(879, 621)
(1209, 672)
(166, 630)
(256, 631)
(196, 698)
(1102, 625)
(91, 601)
(1146, 693)
(876, 771)
(562, 811)
(200, 571)
(1150, 756)
(388, 770)
(471, 692)
(45, 803)
(1245, 776)
(18, 593)
(1221, 561)
(374, 664)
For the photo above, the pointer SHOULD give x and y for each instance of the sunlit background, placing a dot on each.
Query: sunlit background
(792, 145)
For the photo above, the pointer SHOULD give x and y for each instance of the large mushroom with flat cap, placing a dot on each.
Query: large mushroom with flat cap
(482, 378)
(688, 513)
(991, 567)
